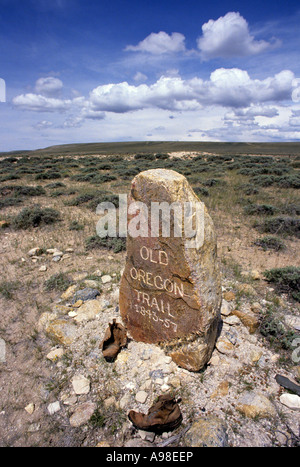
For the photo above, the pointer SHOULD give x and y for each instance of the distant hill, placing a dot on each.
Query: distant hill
(162, 146)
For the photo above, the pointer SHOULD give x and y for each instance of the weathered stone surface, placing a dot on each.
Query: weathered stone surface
(82, 414)
(207, 432)
(171, 294)
(255, 405)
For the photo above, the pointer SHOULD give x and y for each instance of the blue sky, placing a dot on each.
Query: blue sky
(86, 71)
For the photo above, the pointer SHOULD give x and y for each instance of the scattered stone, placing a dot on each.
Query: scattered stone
(78, 304)
(54, 407)
(88, 311)
(105, 279)
(69, 250)
(82, 414)
(225, 308)
(231, 320)
(179, 284)
(91, 283)
(246, 289)
(50, 251)
(81, 384)
(229, 296)
(109, 402)
(34, 427)
(207, 432)
(35, 251)
(2, 350)
(256, 307)
(222, 390)
(56, 258)
(293, 321)
(30, 408)
(255, 275)
(55, 354)
(249, 321)
(141, 397)
(254, 405)
(86, 294)
(292, 401)
(147, 435)
(62, 331)
(43, 268)
(224, 346)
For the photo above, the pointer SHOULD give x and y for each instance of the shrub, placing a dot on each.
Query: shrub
(289, 181)
(273, 329)
(201, 191)
(286, 280)
(270, 242)
(260, 209)
(48, 175)
(281, 225)
(7, 288)
(74, 225)
(116, 244)
(58, 282)
(35, 216)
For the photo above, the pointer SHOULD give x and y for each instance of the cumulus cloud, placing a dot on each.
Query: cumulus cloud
(229, 36)
(160, 43)
(39, 103)
(48, 86)
(226, 87)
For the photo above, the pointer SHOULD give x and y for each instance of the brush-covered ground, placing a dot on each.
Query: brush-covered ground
(56, 387)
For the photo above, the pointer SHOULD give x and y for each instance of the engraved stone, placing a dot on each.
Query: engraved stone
(170, 292)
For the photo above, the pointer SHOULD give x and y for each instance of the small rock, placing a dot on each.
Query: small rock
(207, 432)
(55, 354)
(81, 384)
(256, 307)
(56, 258)
(43, 268)
(50, 251)
(61, 331)
(110, 402)
(232, 320)
(88, 311)
(78, 304)
(2, 350)
(255, 405)
(224, 346)
(91, 283)
(54, 407)
(105, 279)
(69, 250)
(35, 251)
(222, 390)
(246, 289)
(82, 414)
(34, 427)
(249, 321)
(225, 308)
(69, 292)
(141, 397)
(229, 296)
(147, 435)
(30, 408)
(255, 275)
(86, 294)
(293, 321)
(292, 401)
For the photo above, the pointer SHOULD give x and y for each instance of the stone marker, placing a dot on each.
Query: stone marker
(170, 292)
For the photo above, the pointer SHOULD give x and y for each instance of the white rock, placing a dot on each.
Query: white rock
(290, 400)
(55, 354)
(105, 279)
(53, 407)
(30, 408)
(81, 384)
(34, 251)
(225, 308)
(141, 397)
(2, 351)
(43, 268)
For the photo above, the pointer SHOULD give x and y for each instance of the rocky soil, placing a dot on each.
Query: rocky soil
(58, 390)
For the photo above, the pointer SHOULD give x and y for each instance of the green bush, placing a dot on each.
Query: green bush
(7, 288)
(281, 225)
(59, 282)
(270, 242)
(35, 216)
(260, 209)
(116, 244)
(286, 280)
(273, 329)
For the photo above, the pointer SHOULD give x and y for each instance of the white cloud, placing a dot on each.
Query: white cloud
(226, 87)
(140, 77)
(160, 43)
(39, 103)
(48, 86)
(229, 36)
